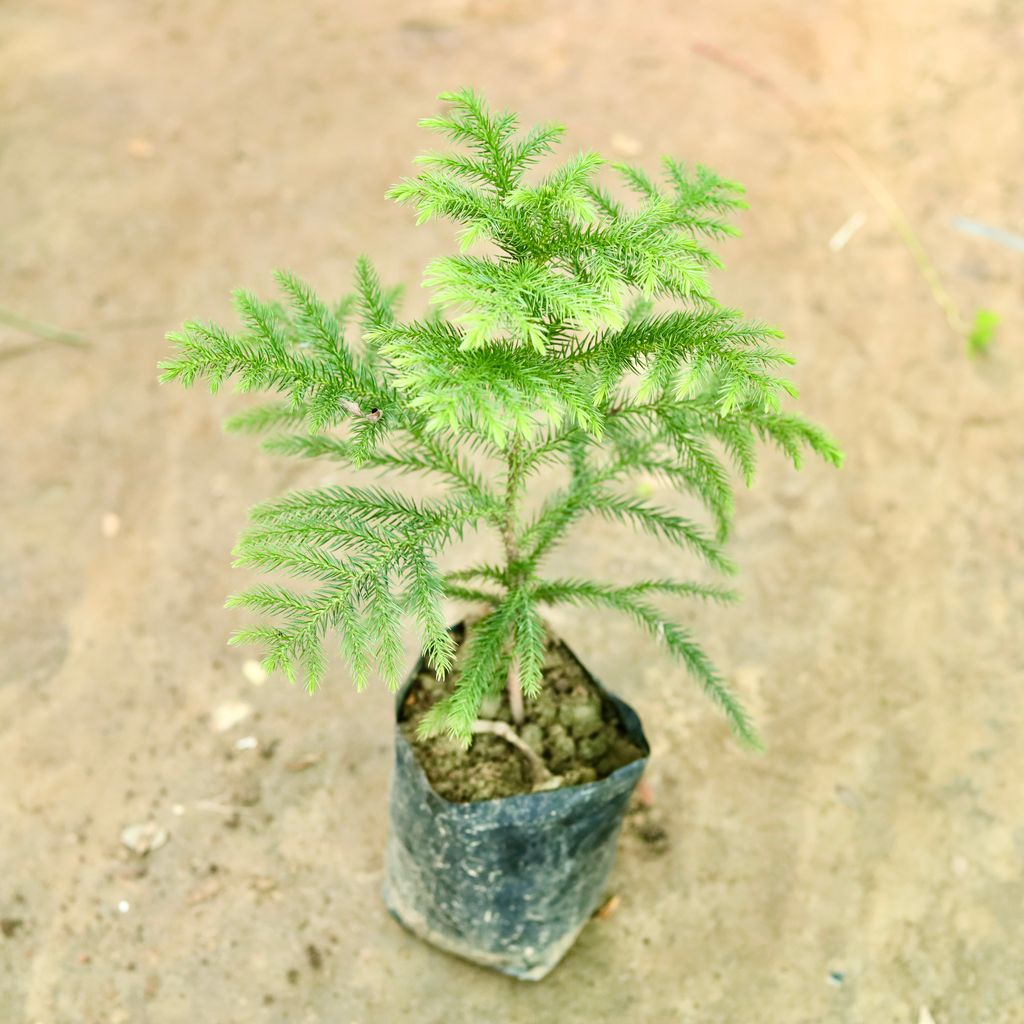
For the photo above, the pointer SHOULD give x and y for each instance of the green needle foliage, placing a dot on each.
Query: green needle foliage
(544, 349)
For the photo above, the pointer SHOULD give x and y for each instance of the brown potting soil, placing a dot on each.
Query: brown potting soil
(569, 724)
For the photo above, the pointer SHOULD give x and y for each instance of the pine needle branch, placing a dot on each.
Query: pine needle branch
(582, 340)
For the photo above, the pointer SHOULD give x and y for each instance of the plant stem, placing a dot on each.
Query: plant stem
(515, 692)
(542, 777)
(509, 533)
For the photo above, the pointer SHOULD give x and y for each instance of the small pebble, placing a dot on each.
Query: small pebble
(143, 838)
(110, 525)
(140, 148)
(123, 907)
(254, 672)
(300, 764)
(229, 714)
(247, 743)
(626, 145)
(847, 230)
(836, 978)
(201, 894)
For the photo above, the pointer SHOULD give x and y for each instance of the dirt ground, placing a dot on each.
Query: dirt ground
(868, 868)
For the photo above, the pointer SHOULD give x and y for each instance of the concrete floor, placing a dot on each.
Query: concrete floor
(868, 865)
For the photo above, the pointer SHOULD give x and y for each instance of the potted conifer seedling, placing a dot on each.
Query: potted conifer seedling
(544, 353)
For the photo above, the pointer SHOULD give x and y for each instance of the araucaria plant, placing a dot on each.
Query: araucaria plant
(574, 328)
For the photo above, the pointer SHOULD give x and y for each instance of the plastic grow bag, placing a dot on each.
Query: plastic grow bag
(507, 883)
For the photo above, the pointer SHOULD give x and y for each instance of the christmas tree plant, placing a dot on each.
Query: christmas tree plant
(574, 328)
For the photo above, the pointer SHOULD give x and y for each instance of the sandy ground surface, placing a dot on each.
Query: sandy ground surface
(871, 863)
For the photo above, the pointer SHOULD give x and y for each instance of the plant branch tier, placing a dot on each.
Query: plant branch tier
(575, 328)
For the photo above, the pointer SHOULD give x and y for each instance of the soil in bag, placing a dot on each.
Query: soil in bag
(571, 725)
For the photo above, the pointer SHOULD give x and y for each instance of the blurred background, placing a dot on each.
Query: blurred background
(868, 867)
